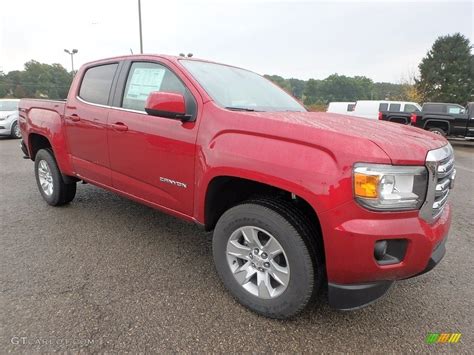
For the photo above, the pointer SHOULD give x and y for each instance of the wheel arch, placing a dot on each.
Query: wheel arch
(434, 123)
(224, 192)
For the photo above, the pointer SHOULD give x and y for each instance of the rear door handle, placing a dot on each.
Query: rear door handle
(119, 126)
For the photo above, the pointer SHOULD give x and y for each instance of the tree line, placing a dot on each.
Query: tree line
(37, 80)
(446, 74)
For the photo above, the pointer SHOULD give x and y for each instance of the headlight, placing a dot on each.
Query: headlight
(388, 187)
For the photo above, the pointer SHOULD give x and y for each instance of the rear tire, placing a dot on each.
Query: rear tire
(438, 131)
(50, 181)
(298, 267)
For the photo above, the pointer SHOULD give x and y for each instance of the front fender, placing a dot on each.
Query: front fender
(307, 170)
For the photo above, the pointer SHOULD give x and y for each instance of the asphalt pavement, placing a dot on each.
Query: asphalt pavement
(105, 274)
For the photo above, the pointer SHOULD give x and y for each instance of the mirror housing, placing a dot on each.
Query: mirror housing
(166, 104)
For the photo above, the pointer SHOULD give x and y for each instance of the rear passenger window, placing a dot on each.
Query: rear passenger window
(395, 107)
(351, 107)
(144, 78)
(96, 84)
(433, 108)
(383, 107)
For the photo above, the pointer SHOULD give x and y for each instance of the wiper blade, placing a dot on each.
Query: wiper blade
(240, 109)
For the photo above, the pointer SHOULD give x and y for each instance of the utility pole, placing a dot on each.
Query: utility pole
(71, 53)
(140, 25)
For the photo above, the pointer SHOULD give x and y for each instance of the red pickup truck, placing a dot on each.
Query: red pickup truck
(298, 201)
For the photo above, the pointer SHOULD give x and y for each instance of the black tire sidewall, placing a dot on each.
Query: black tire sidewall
(441, 131)
(46, 155)
(301, 284)
(12, 134)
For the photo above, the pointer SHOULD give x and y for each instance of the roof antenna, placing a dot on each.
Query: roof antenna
(131, 52)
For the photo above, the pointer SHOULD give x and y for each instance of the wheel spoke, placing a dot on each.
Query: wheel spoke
(265, 289)
(272, 247)
(244, 273)
(45, 177)
(250, 235)
(236, 249)
(279, 273)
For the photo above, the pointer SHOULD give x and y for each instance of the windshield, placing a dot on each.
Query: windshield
(239, 89)
(8, 105)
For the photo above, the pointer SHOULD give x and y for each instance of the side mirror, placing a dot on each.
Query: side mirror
(166, 104)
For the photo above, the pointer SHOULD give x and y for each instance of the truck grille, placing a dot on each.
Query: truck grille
(441, 174)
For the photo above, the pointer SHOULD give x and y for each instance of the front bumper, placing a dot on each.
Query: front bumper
(351, 297)
(355, 277)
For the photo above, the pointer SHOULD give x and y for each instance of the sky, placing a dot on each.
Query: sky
(382, 40)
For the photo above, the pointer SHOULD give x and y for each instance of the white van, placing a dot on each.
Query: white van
(341, 107)
(371, 108)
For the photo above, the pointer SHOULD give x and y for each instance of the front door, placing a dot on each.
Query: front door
(460, 119)
(152, 157)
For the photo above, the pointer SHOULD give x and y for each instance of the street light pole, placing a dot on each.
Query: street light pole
(71, 53)
(140, 25)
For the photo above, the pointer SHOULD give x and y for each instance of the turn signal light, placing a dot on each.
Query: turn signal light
(413, 118)
(366, 185)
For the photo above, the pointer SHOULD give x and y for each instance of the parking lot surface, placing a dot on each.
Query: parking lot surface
(107, 274)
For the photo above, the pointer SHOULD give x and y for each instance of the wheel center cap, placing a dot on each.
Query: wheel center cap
(258, 261)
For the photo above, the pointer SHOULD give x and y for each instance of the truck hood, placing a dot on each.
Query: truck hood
(403, 144)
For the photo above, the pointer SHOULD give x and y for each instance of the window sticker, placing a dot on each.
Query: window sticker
(144, 81)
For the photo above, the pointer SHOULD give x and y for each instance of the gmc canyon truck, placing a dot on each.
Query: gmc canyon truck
(298, 201)
(440, 118)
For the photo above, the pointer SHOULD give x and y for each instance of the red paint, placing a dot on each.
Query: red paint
(308, 154)
(166, 102)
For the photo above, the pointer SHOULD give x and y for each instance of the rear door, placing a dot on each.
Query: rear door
(86, 116)
(152, 157)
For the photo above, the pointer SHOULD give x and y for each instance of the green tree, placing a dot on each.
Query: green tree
(297, 87)
(311, 92)
(37, 80)
(446, 72)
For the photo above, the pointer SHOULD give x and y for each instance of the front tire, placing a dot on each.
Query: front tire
(15, 131)
(266, 255)
(50, 181)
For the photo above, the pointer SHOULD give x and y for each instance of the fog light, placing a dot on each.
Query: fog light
(380, 249)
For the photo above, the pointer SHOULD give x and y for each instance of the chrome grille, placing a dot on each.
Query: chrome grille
(441, 171)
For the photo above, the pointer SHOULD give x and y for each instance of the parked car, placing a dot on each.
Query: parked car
(371, 108)
(440, 118)
(341, 107)
(9, 118)
(297, 200)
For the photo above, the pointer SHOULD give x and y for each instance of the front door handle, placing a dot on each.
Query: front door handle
(74, 118)
(119, 126)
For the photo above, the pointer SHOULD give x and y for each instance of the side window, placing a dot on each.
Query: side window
(410, 108)
(96, 84)
(144, 78)
(383, 107)
(395, 107)
(350, 107)
(454, 110)
(433, 108)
